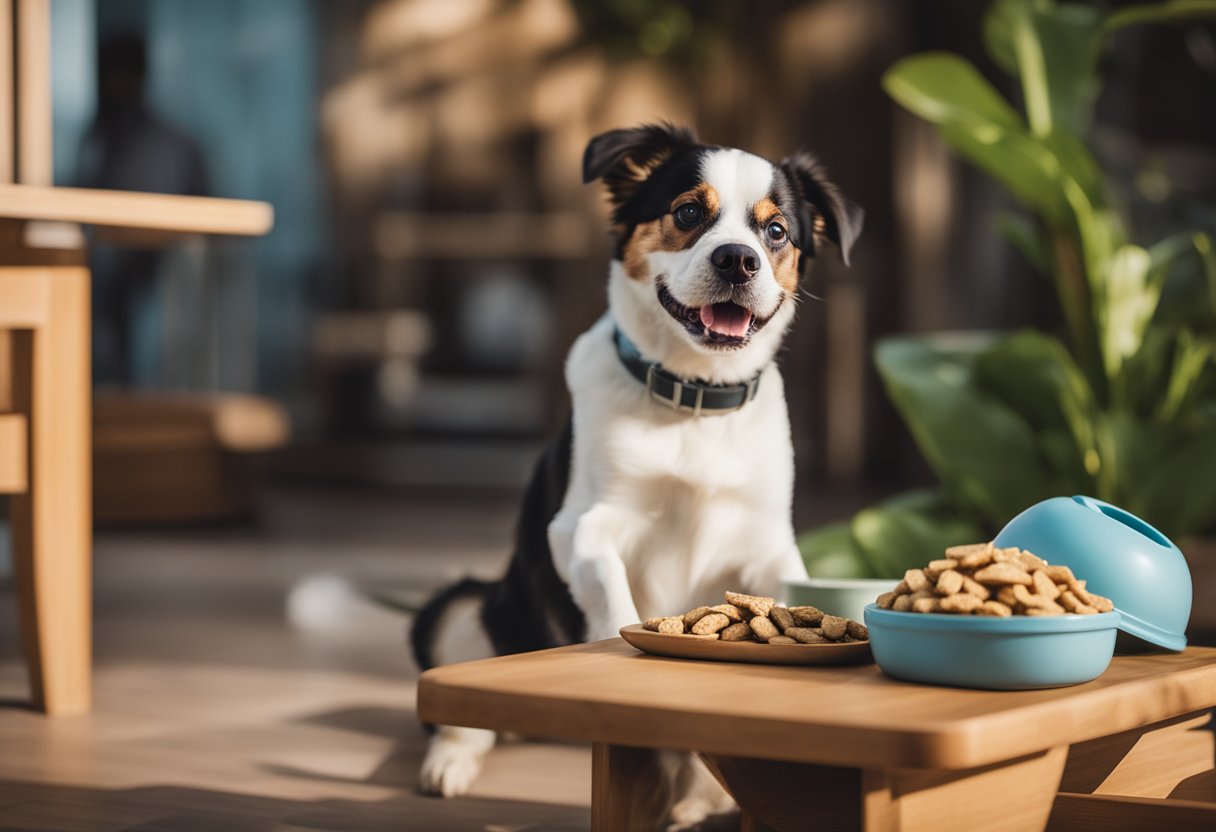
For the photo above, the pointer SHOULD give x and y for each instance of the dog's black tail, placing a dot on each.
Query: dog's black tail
(426, 624)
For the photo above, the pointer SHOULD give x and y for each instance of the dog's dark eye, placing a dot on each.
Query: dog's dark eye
(776, 232)
(689, 214)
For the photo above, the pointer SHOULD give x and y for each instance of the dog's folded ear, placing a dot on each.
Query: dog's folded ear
(824, 212)
(626, 158)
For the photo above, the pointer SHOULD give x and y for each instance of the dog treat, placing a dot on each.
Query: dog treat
(974, 587)
(731, 611)
(993, 608)
(740, 620)
(672, 626)
(763, 627)
(1005, 596)
(1059, 574)
(960, 602)
(960, 552)
(782, 617)
(1029, 601)
(996, 574)
(739, 631)
(758, 605)
(916, 580)
(806, 635)
(834, 627)
(936, 567)
(712, 623)
(1073, 604)
(950, 582)
(1045, 586)
(807, 616)
(979, 579)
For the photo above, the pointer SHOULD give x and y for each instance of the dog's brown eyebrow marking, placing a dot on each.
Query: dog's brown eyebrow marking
(765, 211)
(663, 234)
(784, 259)
(704, 195)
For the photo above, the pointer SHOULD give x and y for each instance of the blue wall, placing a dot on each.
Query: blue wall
(240, 76)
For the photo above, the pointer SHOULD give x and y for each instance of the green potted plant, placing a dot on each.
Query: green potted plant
(1123, 405)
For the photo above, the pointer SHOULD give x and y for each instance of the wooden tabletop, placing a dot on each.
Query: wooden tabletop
(606, 691)
(129, 209)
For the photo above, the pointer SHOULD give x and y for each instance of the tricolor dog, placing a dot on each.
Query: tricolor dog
(673, 480)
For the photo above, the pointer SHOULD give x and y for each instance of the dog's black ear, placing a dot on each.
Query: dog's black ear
(823, 211)
(626, 158)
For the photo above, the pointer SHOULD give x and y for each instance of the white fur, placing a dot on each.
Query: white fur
(455, 755)
(664, 510)
(741, 180)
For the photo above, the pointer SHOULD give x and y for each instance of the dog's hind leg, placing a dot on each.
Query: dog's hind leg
(455, 755)
(702, 800)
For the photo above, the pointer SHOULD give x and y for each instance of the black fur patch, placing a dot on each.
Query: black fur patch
(806, 189)
(530, 607)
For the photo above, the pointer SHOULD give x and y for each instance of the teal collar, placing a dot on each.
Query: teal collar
(693, 396)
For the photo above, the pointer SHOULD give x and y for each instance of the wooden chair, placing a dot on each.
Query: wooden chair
(45, 447)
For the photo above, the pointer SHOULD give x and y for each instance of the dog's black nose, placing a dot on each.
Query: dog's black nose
(735, 262)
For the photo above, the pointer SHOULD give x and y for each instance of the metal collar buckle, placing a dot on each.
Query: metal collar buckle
(676, 400)
(751, 392)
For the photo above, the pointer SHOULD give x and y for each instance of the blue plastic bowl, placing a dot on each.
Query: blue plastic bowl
(1019, 653)
(1119, 556)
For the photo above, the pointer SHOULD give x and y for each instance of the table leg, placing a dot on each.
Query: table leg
(52, 525)
(1014, 796)
(628, 788)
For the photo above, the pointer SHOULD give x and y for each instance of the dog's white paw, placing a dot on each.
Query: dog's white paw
(453, 761)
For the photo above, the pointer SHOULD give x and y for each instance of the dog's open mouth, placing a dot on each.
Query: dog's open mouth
(725, 324)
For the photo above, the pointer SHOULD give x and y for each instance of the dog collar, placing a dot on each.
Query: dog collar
(695, 396)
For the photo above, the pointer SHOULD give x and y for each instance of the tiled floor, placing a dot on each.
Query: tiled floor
(241, 684)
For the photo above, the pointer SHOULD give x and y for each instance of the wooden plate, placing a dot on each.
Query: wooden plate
(706, 648)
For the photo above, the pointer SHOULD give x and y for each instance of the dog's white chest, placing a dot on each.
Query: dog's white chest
(690, 504)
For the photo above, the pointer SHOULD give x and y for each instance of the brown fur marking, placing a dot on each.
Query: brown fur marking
(664, 235)
(784, 259)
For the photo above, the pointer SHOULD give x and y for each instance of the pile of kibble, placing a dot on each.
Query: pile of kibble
(757, 618)
(980, 579)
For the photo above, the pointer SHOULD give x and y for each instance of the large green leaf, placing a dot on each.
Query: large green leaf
(1167, 473)
(1033, 374)
(1192, 358)
(832, 552)
(1020, 232)
(1052, 50)
(1129, 302)
(945, 88)
(1172, 11)
(909, 530)
(984, 452)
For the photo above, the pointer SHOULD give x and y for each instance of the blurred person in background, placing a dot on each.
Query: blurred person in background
(129, 147)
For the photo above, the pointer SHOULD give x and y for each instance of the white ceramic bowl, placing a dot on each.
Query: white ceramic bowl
(837, 596)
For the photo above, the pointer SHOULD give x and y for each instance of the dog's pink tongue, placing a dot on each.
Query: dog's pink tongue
(726, 319)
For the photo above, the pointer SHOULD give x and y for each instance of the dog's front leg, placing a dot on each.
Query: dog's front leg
(766, 575)
(587, 550)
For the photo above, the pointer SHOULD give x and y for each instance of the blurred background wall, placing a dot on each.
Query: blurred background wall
(435, 252)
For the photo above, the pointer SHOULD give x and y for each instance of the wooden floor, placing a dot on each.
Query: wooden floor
(241, 687)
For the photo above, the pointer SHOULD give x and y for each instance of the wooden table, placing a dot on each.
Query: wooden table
(45, 442)
(836, 748)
